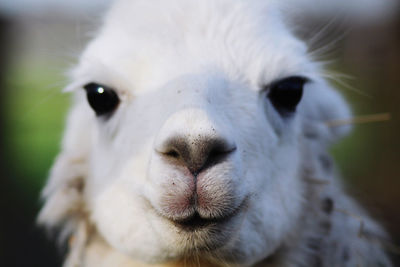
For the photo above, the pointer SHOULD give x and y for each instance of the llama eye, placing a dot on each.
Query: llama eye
(286, 94)
(102, 99)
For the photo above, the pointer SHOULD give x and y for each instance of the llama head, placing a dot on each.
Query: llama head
(187, 129)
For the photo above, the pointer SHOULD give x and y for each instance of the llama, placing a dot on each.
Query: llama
(198, 136)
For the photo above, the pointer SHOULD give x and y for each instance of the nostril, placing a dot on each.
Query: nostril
(172, 153)
(220, 147)
(176, 148)
(218, 153)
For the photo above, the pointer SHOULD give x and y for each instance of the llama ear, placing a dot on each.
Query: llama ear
(321, 110)
(63, 198)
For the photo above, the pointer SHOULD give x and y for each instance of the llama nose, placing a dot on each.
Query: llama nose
(198, 153)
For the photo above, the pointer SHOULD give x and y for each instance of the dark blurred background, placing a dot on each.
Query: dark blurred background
(41, 39)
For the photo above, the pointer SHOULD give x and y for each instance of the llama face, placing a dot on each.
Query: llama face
(195, 153)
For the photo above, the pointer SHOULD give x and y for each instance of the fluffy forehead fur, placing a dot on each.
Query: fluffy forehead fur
(192, 71)
(148, 43)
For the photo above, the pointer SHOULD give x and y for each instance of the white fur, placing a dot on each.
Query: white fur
(193, 68)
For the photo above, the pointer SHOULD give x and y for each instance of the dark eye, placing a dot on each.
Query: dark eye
(286, 94)
(101, 98)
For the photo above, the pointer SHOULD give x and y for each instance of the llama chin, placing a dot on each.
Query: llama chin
(198, 135)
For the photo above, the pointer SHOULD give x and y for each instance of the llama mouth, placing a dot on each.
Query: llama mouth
(197, 222)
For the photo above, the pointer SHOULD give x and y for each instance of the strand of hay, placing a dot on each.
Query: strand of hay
(360, 119)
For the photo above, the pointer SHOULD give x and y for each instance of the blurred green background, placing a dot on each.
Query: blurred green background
(36, 50)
